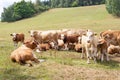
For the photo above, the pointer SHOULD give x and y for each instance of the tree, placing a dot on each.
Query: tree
(8, 14)
(113, 7)
(24, 9)
(75, 3)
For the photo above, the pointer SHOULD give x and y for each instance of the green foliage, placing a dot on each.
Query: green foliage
(8, 14)
(113, 7)
(74, 3)
(22, 10)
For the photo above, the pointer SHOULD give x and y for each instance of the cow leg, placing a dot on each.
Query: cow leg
(88, 56)
(102, 57)
(15, 44)
(107, 57)
(82, 54)
(66, 47)
(94, 52)
(29, 63)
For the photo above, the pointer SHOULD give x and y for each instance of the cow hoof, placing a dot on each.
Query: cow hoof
(88, 62)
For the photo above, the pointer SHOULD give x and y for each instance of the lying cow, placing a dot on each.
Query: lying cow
(17, 37)
(102, 47)
(112, 49)
(78, 47)
(89, 45)
(44, 46)
(24, 54)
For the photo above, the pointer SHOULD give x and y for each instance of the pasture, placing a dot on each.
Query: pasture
(66, 65)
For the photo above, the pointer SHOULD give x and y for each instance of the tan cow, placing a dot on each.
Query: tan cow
(89, 45)
(24, 54)
(44, 46)
(78, 47)
(17, 37)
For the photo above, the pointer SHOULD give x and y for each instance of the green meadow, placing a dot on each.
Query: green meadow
(65, 65)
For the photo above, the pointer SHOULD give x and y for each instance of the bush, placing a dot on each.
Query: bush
(113, 7)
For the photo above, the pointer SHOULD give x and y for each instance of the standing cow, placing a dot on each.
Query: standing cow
(102, 47)
(111, 36)
(89, 45)
(17, 37)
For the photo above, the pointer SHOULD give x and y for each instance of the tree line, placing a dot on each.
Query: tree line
(23, 9)
(75, 3)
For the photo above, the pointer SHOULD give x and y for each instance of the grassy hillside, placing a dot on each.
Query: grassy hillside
(67, 65)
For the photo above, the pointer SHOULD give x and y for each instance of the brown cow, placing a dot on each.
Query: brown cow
(111, 36)
(71, 36)
(17, 37)
(24, 54)
(102, 47)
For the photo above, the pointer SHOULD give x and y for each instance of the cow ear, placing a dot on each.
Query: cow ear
(95, 33)
(11, 34)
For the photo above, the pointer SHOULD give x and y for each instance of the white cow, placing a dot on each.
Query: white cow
(89, 45)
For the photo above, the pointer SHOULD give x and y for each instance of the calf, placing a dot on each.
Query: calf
(24, 54)
(89, 45)
(102, 47)
(17, 38)
(112, 49)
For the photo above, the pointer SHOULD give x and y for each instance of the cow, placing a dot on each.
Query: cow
(17, 37)
(61, 44)
(49, 36)
(24, 54)
(44, 46)
(111, 36)
(89, 45)
(78, 47)
(102, 48)
(71, 36)
(112, 49)
(45, 36)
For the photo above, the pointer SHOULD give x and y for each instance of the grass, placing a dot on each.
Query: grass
(66, 65)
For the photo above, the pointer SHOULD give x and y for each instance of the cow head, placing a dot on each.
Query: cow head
(90, 36)
(14, 36)
(32, 44)
(62, 36)
(32, 33)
